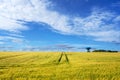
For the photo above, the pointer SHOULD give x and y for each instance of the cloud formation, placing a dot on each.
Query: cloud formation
(99, 25)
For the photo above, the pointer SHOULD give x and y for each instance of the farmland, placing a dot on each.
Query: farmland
(45, 66)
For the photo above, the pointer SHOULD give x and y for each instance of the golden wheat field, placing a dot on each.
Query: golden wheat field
(45, 66)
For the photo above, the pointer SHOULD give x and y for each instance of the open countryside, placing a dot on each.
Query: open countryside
(59, 39)
(45, 66)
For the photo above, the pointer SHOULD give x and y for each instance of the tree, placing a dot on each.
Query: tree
(88, 49)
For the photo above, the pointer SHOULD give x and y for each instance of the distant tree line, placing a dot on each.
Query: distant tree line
(104, 51)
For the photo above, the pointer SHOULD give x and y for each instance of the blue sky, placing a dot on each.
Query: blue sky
(35, 24)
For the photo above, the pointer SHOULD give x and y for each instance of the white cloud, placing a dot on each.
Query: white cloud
(15, 35)
(26, 10)
(108, 36)
(1, 42)
(12, 12)
(5, 39)
(100, 25)
(11, 25)
(117, 18)
(117, 4)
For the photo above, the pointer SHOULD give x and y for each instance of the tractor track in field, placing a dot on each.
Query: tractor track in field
(6, 57)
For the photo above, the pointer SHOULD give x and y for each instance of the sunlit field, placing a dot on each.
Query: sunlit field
(45, 66)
